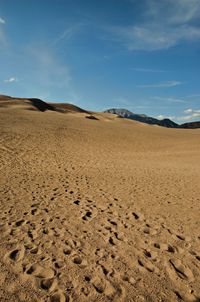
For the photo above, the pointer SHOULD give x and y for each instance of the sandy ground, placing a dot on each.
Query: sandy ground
(97, 210)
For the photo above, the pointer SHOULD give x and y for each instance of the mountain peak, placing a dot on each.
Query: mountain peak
(142, 118)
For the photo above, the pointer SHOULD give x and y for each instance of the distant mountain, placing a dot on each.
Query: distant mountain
(143, 118)
(192, 125)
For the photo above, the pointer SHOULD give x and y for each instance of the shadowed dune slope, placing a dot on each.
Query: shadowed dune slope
(37, 104)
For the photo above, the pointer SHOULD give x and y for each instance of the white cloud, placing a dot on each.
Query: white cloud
(193, 111)
(169, 99)
(3, 40)
(161, 117)
(161, 85)
(11, 80)
(188, 111)
(147, 70)
(163, 24)
(173, 12)
(154, 37)
(2, 21)
(192, 114)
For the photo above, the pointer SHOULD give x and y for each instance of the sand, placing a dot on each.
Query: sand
(97, 210)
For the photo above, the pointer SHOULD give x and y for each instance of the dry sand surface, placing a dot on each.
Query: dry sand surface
(97, 210)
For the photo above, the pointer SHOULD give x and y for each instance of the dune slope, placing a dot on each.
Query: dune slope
(97, 210)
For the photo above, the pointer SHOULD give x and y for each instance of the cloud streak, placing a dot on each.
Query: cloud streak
(167, 84)
(51, 71)
(193, 96)
(147, 70)
(169, 99)
(50, 76)
(165, 24)
(2, 21)
(68, 33)
(190, 115)
(11, 80)
(3, 40)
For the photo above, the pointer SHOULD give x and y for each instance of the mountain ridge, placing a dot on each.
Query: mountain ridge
(142, 118)
(166, 122)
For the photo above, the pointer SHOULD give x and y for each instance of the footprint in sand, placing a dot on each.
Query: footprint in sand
(80, 262)
(40, 271)
(20, 222)
(149, 231)
(17, 254)
(112, 291)
(145, 264)
(138, 216)
(34, 211)
(60, 297)
(44, 277)
(59, 264)
(129, 279)
(33, 234)
(35, 250)
(150, 254)
(180, 237)
(111, 241)
(47, 284)
(165, 247)
(77, 202)
(176, 268)
(87, 216)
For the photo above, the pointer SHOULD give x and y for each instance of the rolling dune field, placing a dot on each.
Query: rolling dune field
(96, 208)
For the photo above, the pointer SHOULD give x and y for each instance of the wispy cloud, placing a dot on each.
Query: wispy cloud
(161, 117)
(163, 24)
(11, 80)
(50, 70)
(68, 33)
(173, 12)
(193, 96)
(169, 99)
(147, 70)
(194, 112)
(122, 101)
(161, 85)
(74, 97)
(2, 21)
(50, 76)
(189, 115)
(3, 40)
(154, 37)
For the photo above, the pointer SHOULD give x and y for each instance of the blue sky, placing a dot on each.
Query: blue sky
(143, 55)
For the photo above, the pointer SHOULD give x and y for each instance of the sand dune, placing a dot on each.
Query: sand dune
(103, 209)
(37, 104)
